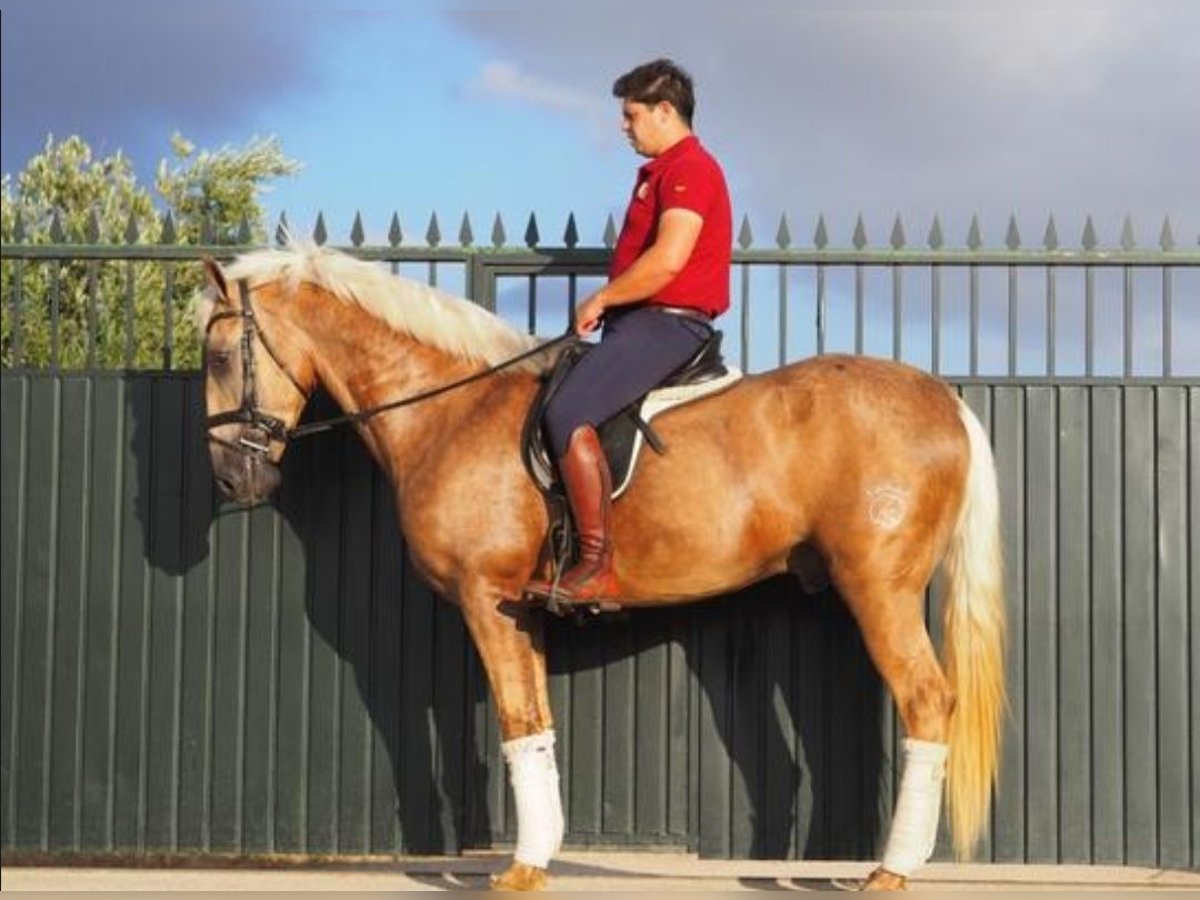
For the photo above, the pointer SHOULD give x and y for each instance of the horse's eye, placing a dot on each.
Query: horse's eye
(218, 360)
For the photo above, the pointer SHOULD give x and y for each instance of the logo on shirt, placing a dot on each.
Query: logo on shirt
(642, 189)
(680, 188)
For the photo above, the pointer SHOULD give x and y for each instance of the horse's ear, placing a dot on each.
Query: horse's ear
(216, 278)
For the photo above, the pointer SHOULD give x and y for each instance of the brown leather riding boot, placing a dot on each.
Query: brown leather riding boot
(588, 484)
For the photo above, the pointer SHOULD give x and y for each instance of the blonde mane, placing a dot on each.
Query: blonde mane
(429, 315)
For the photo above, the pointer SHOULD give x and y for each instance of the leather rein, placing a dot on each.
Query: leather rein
(263, 429)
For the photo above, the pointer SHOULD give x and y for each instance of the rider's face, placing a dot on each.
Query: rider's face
(645, 125)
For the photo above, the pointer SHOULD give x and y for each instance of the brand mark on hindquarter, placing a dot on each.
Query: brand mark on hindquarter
(887, 506)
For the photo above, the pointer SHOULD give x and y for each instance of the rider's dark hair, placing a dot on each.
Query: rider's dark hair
(656, 81)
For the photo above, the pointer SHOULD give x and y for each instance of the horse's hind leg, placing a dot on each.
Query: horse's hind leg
(510, 647)
(891, 619)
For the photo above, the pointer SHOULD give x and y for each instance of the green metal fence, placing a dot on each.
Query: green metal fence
(180, 675)
(1015, 311)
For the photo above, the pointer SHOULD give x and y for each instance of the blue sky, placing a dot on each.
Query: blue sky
(872, 107)
(400, 121)
(857, 107)
(388, 109)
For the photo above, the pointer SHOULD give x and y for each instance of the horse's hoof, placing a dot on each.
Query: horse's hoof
(883, 880)
(520, 877)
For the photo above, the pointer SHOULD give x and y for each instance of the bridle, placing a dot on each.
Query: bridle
(263, 429)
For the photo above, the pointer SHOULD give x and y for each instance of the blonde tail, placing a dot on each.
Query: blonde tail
(974, 624)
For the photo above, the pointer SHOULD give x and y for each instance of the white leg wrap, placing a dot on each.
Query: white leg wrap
(533, 773)
(915, 822)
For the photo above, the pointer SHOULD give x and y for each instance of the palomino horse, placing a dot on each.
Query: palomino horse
(873, 468)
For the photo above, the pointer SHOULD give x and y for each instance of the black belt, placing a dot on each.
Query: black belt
(685, 312)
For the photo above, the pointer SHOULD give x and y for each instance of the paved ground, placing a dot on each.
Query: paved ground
(585, 871)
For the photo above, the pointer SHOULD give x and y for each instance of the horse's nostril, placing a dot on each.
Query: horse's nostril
(226, 486)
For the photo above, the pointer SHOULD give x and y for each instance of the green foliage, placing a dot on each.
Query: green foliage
(120, 313)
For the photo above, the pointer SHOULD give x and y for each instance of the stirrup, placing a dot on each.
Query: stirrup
(563, 604)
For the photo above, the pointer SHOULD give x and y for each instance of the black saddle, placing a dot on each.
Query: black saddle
(618, 435)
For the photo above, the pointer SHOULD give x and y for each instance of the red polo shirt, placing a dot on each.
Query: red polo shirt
(684, 177)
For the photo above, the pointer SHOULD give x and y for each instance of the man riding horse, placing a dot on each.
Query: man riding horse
(874, 468)
(668, 280)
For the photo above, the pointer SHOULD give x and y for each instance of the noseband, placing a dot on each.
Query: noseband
(261, 429)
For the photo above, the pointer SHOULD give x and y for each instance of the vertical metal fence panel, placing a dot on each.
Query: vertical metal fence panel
(196, 651)
(228, 671)
(261, 649)
(13, 489)
(774, 818)
(1172, 627)
(66, 700)
(100, 651)
(167, 428)
(815, 674)
(323, 563)
(1107, 676)
(853, 740)
(586, 763)
(650, 738)
(129, 742)
(1041, 625)
(295, 637)
(681, 755)
(177, 674)
(1193, 604)
(354, 621)
(1139, 652)
(714, 764)
(815, 801)
(1008, 438)
(745, 734)
(39, 601)
(620, 712)
(1073, 693)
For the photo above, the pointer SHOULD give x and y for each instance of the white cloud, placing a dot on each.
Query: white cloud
(915, 108)
(506, 81)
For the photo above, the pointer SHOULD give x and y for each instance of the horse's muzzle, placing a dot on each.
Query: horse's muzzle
(245, 477)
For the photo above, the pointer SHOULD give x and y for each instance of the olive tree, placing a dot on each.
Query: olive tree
(121, 313)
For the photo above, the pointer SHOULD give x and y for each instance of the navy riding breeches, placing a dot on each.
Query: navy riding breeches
(638, 350)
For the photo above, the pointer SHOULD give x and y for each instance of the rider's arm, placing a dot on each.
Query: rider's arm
(657, 267)
(678, 230)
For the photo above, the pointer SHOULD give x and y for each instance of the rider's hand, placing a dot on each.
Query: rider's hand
(589, 315)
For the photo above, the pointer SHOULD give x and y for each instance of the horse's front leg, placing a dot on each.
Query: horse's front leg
(510, 644)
